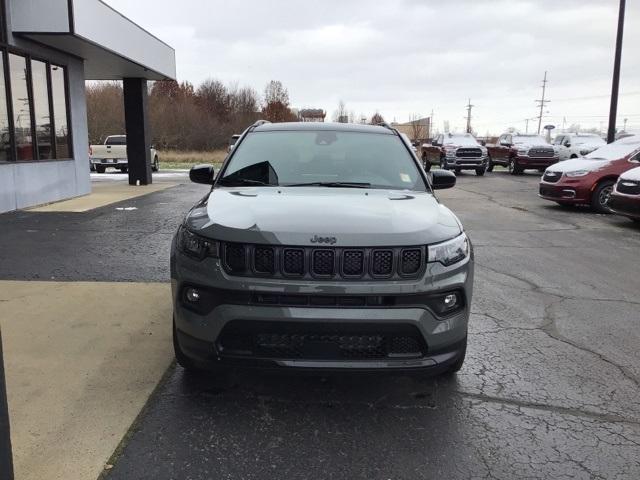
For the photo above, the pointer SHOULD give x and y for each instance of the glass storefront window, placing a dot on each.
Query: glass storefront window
(41, 109)
(5, 135)
(61, 120)
(21, 107)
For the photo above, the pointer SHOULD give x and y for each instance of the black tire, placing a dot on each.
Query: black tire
(600, 196)
(156, 165)
(100, 169)
(489, 165)
(573, 155)
(457, 170)
(124, 169)
(457, 366)
(443, 164)
(480, 171)
(514, 168)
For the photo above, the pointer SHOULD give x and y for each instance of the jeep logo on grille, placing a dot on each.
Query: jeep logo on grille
(329, 240)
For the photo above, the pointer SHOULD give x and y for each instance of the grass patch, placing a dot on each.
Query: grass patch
(174, 159)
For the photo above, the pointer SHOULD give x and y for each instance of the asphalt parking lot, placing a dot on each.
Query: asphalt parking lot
(549, 389)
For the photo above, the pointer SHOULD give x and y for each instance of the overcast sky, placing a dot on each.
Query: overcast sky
(402, 57)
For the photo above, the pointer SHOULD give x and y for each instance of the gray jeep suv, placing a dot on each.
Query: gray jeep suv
(321, 246)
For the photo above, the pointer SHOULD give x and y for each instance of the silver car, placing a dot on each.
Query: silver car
(321, 246)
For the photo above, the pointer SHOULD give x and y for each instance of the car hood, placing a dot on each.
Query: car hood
(532, 145)
(578, 164)
(633, 174)
(339, 217)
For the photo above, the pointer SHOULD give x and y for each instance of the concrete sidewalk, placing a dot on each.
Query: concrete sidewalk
(81, 360)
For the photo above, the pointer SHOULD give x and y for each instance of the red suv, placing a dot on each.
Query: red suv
(590, 180)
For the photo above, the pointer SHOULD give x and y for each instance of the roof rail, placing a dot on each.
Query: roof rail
(260, 122)
(387, 126)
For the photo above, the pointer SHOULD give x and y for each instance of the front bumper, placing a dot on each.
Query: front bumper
(109, 162)
(627, 205)
(201, 334)
(566, 191)
(535, 162)
(466, 163)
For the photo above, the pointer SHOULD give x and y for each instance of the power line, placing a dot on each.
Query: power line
(542, 101)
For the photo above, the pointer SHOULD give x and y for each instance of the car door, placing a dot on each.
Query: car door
(500, 155)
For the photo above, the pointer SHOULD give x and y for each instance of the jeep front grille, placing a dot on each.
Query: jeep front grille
(323, 263)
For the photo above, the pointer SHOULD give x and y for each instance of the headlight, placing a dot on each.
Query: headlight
(451, 251)
(196, 246)
(577, 173)
(523, 152)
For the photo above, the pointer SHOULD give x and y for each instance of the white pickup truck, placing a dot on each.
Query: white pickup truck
(113, 153)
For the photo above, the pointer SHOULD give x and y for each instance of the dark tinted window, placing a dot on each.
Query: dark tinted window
(21, 107)
(60, 115)
(295, 157)
(5, 136)
(41, 109)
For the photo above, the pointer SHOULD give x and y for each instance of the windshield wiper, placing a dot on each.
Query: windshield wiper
(234, 182)
(331, 184)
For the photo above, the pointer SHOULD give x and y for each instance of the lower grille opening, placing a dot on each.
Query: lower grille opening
(320, 341)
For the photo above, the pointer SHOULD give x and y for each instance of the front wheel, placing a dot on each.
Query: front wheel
(489, 165)
(156, 164)
(514, 168)
(124, 169)
(100, 169)
(480, 171)
(443, 164)
(600, 197)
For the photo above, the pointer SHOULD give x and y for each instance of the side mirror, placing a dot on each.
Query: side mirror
(442, 179)
(202, 174)
(567, 145)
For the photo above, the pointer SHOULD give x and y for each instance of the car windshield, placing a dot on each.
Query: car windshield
(528, 139)
(323, 158)
(615, 151)
(460, 140)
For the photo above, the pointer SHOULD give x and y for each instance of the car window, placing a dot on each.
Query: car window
(116, 140)
(559, 140)
(296, 157)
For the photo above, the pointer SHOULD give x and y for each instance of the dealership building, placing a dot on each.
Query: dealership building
(48, 48)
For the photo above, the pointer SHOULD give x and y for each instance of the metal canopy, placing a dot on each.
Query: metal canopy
(112, 46)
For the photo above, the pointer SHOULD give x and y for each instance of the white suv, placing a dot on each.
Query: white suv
(574, 145)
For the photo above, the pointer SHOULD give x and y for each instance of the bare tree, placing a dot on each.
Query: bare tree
(376, 119)
(418, 128)
(276, 103)
(341, 115)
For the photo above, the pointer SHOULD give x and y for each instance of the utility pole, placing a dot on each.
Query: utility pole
(526, 127)
(625, 125)
(542, 101)
(6, 460)
(431, 126)
(469, 107)
(613, 112)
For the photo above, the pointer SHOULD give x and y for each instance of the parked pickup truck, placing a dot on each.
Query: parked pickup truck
(519, 152)
(113, 153)
(574, 145)
(455, 151)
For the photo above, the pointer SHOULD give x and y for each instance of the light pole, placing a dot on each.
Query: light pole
(613, 112)
(6, 459)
